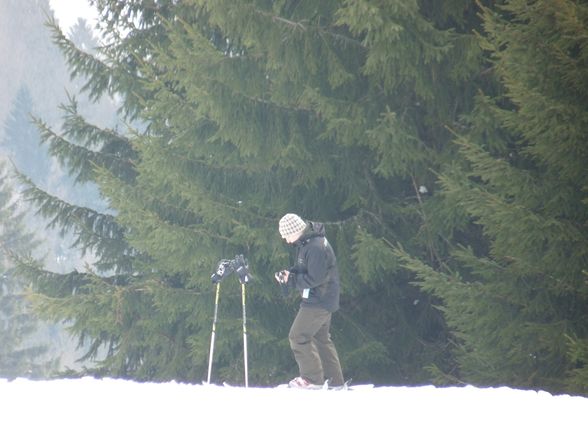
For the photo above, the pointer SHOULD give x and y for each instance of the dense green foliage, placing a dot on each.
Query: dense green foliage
(517, 298)
(345, 112)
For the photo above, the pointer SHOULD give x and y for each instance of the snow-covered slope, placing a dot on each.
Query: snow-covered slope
(91, 409)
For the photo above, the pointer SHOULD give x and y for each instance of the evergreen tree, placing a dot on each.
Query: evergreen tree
(29, 58)
(33, 65)
(515, 292)
(334, 110)
(21, 140)
(20, 355)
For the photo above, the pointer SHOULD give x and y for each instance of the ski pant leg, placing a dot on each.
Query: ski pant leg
(307, 323)
(328, 354)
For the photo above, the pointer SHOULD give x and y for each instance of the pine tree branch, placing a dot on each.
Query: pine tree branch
(48, 282)
(78, 128)
(81, 160)
(111, 72)
(305, 27)
(99, 74)
(92, 229)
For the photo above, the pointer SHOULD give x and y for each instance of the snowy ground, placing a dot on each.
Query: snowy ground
(90, 409)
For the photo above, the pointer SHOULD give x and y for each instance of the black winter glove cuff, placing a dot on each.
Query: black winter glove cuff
(223, 269)
(242, 269)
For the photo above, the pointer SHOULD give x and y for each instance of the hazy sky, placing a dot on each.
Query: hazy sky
(68, 11)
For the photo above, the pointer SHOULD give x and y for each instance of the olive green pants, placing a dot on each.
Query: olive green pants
(313, 348)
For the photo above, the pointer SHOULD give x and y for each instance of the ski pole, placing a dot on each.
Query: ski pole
(244, 335)
(211, 351)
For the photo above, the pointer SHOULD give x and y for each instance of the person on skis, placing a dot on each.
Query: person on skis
(316, 277)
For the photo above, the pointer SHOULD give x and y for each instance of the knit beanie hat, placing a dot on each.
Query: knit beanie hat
(291, 224)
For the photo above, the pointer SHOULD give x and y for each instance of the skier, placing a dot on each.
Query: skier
(316, 277)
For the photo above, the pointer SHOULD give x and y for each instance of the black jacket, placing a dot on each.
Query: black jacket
(315, 272)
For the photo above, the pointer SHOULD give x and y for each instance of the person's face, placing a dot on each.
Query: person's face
(291, 238)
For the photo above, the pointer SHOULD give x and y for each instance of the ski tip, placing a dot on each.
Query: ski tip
(348, 386)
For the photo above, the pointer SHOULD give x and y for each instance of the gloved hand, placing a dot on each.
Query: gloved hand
(282, 278)
(241, 267)
(223, 269)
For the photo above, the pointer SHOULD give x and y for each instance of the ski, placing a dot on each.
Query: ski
(353, 387)
(324, 386)
(346, 386)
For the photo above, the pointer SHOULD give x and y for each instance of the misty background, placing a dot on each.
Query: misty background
(36, 86)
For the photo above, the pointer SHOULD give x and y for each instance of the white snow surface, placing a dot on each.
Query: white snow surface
(109, 409)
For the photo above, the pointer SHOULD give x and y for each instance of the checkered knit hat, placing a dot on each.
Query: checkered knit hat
(291, 224)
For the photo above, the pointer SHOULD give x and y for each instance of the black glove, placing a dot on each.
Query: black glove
(224, 268)
(284, 288)
(242, 269)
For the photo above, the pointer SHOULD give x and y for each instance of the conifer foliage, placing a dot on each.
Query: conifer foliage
(442, 140)
(20, 354)
(241, 112)
(516, 298)
(21, 139)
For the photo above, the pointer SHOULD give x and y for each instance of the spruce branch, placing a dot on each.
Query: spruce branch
(115, 153)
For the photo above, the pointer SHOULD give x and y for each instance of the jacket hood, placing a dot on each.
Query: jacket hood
(314, 229)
